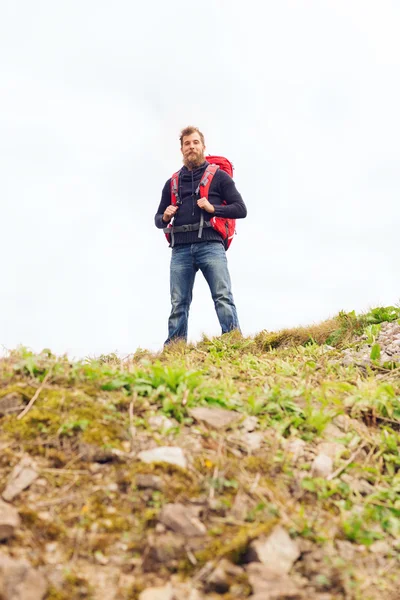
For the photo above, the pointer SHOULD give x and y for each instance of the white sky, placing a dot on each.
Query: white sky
(303, 97)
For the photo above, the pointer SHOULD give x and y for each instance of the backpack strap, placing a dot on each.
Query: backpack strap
(175, 188)
(174, 199)
(203, 189)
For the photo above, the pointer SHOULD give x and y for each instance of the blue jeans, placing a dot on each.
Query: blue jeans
(186, 260)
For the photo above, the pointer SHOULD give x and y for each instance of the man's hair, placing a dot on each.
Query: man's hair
(188, 131)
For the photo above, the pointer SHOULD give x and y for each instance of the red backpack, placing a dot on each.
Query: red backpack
(226, 227)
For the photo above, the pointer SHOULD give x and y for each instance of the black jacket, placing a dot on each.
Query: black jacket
(222, 188)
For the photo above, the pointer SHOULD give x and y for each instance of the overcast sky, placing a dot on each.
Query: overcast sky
(302, 96)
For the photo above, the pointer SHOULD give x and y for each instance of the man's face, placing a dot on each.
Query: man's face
(193, 150)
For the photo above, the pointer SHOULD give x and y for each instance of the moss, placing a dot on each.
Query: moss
(257, 464)
(99, 509)
(43, 531)
(27, 391)
(68, 413)
(178, 483)
(74, 587)
(233, 542)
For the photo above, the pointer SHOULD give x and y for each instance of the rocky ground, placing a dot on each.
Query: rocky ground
(383, 342)
(229, 470)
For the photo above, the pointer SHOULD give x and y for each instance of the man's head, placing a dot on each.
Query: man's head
(192, 147)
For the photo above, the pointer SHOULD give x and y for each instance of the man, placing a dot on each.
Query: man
(191, 252)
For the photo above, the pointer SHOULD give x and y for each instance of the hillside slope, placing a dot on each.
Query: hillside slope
(263, 467)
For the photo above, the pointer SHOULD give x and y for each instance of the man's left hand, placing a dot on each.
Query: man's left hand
(206, 205)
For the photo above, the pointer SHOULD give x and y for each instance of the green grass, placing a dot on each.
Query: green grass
(292, 381)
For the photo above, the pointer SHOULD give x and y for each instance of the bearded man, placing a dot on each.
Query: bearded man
(195, 244)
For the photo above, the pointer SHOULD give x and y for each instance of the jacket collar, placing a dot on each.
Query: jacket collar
(195, 172)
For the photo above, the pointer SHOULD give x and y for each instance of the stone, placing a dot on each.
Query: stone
(168, 454)
(241, 506)
(21, 477)
(267, 585)
(9, 520)
(158, 593)
(165, 547)
(346, 550)
(249, 424)
(252, 441)
(161, 422)
(11, 403)
(360, 486)
(182, 519)
(380, 547)
(322, 466)
(223, 576)
(94, 453)
(185, 592)
(332, 432)
(331, 449)
(278, 551)
(216, 418)
(150, 482)
(295, 448)
(19, 581)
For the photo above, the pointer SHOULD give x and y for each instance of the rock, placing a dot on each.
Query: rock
(168, 454)
(360, 486)
(332, 432)
(278, 551)
(164, 548)
(343, 423)
(161, 422)
(252, 441)
(9, 520)
(158, 593)
(184, 591)
(331, 449)
(223, 576)
(94, 453)
(217, 418)
(23, 474)
(151, 482)
(295, 448)
(54, 554)
(104, 581)
(11, 403)
(268, 585)
(19, 581)
(322, 466)
(381, 547)
(247, 442)
(241, 506)
(249, 424)
(182, 519)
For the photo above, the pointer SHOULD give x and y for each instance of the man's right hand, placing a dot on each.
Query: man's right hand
(169, 213)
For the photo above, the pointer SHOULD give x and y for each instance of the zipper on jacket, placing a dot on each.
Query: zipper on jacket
(192, 195)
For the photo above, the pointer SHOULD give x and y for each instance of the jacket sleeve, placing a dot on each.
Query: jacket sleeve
(234, 208)
(165, 202)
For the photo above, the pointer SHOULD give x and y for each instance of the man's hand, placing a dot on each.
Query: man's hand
(206, 205)
(169, 213)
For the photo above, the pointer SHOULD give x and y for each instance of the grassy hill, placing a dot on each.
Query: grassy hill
(276, 474)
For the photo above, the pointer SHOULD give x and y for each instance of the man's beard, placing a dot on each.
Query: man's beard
(193, 160)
